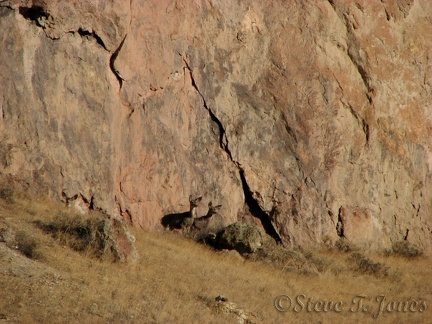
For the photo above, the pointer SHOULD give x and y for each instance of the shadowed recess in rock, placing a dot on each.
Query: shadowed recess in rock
(112, 61)
(83, 33)
(257, 211)
(33, 13)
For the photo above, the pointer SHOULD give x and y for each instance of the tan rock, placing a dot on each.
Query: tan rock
(319, 105)
(360, 227)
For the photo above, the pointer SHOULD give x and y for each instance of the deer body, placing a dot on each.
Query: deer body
(203, 221)
(188, 221)
(182, 220)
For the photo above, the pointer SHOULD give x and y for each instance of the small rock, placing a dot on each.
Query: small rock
(221, 298)
(7, 235)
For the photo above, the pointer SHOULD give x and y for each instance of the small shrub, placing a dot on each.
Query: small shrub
(406, 249)
(343, 245)
(279, 256)
(6, 194)
(207, 235)
(77, 233)
(319, 262)
(362, 264)
(96, 235)
(287, 259)
(26, 245)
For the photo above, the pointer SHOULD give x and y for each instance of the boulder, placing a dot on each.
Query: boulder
(244, 238)
(119, 241)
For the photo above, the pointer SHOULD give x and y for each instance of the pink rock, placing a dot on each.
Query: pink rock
(135, 106)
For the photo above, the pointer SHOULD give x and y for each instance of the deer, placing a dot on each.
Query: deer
(202, 222)
(184, 220)
(205, 228)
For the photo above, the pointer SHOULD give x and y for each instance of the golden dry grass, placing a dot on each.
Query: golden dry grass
(176, 281)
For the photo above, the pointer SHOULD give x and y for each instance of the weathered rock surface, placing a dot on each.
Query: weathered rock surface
(119, 241)
(310, 112)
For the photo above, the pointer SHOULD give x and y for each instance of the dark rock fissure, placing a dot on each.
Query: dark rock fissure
(112, 61)
(34, 13)
(67, 199)
(85, 33)
(405, 238)
(89, 202)
(125, 214)
(340, 225)
(362, 72)
(364, 125)
(5, 9)
(223, 140)
(257, 211)
(360, 69)
(253, 206)
(39, 16)
(388, 17)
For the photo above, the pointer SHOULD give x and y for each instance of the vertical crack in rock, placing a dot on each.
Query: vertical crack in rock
(253, 205)
(223, 140)
(344, 18)
(364, 125)
(256, 210)
(89, 202)
(112, 62)
(125, 214)
(405, 238)
(2, 112)
(361, 70)
(340, 225)
(130, 11)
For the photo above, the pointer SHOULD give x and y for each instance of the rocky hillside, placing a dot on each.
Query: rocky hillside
(53, 269)
(311, 116)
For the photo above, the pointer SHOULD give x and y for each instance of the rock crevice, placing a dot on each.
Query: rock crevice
(252, 204)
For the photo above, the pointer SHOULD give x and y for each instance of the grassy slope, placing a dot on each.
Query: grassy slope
(176, 280)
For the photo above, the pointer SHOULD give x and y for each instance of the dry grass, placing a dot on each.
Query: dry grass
(176, 281)
(405, 249)
(82, 233)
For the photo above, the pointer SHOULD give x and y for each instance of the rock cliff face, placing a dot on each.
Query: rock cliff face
(314, 117)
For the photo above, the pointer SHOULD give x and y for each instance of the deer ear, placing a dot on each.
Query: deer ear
(218, 206)
(190, 197)
(198, 199)
(210, 204)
